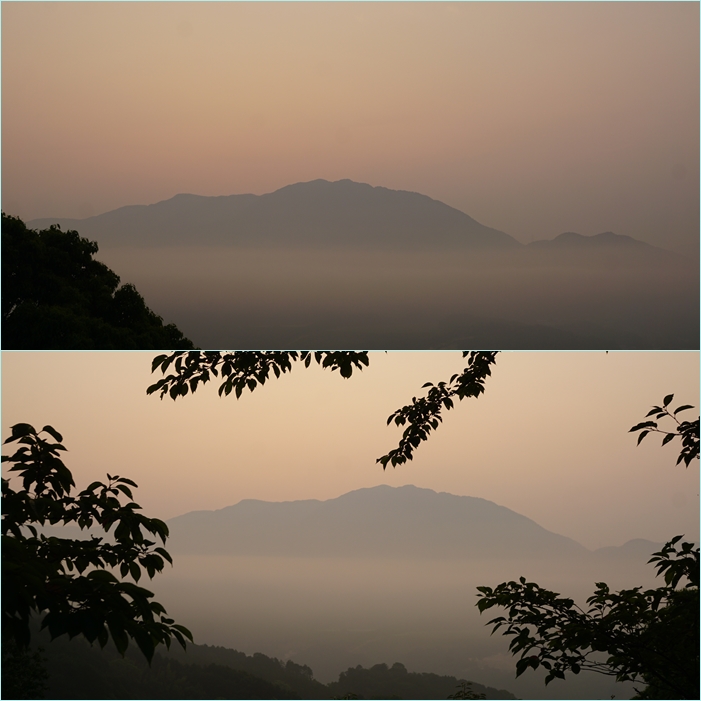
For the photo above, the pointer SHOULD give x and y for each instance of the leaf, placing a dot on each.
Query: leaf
(119, 636)
(667, 400)
(165, 554)
(185, 631)
(125, 490)
(102, 576)
(135, 571)
(668, 438)
(642, 435)
(683, 408)
(157, 361)
(145, 643)
(20, 431)
(644, 424)
(53, 432)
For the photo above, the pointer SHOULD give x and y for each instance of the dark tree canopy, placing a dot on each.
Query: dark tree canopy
(248, 369)
(66, 581)
(56, 296)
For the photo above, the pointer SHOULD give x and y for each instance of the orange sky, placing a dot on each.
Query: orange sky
(549, 438)
(534, 118)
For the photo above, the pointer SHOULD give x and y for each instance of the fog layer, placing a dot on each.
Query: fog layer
(379, 575)
(290, 298)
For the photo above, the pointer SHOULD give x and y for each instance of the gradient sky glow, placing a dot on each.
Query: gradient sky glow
(534, 118)
(548, 439)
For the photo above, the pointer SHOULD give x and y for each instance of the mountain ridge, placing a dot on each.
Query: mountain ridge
(317, 213)
(382, 521)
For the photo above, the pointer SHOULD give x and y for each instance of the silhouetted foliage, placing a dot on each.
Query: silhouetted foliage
(465, 691)
(383, 682)
(66, 580)
(650, 636)
(24, 674)
(424, 414)
(78, 670)
(688, 431)
(55, 295)
(247, 369)
(289, 675)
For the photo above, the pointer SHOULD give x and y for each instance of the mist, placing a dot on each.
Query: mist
(334, 613)
(243, 297)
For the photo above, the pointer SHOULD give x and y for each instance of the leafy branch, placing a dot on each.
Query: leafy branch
(688, 431)
(423, 415)
(650, 635)
(632, 626)
(242, 370)
(238, 371)
(70, 579)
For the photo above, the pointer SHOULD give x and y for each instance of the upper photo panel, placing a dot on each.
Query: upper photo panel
(350, 175)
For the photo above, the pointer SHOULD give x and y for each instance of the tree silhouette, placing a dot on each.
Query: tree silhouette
(242, 370)
(68, 581)
(650, 636)
(55, 295)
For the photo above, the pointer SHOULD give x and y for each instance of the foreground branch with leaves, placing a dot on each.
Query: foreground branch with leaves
(649, 636)
(69, 580)
(688, 431)
(242, 370)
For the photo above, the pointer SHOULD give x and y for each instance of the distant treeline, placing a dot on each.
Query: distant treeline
(77, 670)
(55, 296)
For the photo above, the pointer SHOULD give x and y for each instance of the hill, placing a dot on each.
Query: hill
(314, 214)
(77, 670)
(383, 522)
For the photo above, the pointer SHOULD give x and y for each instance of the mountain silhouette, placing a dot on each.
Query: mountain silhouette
(382, 521)
(341, 264)
(315, 214)
(572, 240)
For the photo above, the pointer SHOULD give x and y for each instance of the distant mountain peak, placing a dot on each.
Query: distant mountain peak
(571, 239)
(314, 214)
(412, 522)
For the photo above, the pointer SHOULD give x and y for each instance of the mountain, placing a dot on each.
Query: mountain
(343, 264)
(313, 214)
(402, 522)
(608, 239)
(607, 245)
(405, 522)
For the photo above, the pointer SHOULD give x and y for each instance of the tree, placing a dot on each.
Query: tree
(465, 691)
(55, 295)
(69, 581)
(634, 635)
(246, 370)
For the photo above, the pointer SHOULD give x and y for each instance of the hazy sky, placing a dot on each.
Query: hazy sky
(549, 439)
(534, 118)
